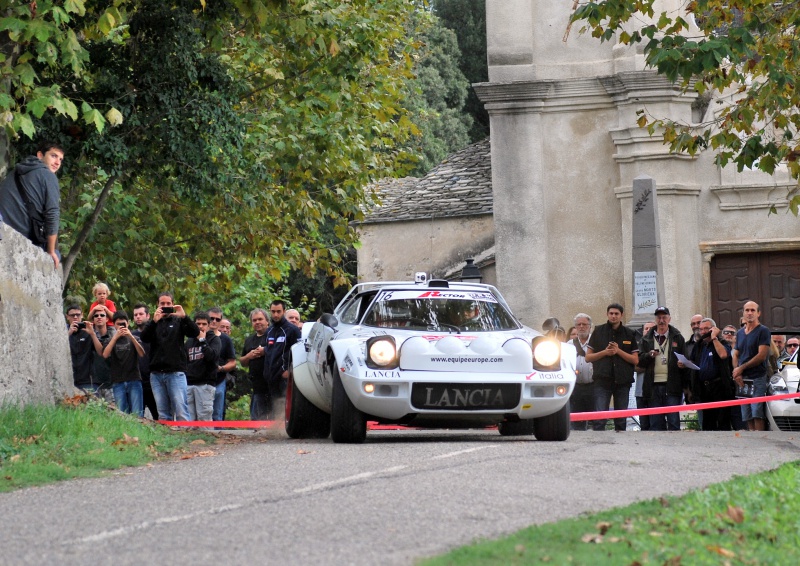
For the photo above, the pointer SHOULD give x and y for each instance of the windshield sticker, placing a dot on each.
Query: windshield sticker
(465, 296)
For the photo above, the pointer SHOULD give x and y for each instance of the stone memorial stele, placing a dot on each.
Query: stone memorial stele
(648, 270)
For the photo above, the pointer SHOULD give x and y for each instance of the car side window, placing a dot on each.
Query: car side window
(350, 313)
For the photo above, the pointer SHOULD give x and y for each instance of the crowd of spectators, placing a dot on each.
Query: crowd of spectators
(178, 367)
(666, 370)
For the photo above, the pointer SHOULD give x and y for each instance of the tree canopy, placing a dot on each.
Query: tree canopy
(209, 136)
(745, 51)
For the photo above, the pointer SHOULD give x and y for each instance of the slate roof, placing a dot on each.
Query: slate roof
(461, 185)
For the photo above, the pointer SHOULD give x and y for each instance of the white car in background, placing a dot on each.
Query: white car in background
(433, 354)
(785, 414)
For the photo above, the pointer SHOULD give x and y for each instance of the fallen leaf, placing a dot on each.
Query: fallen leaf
(592, 537)
(603, 527)
(304, 452)
(664, 502)
(198, 441)
(205, 453)
(14, 458)
(656, 534)
(519, 549)
(101, 439)
(126, 440)
(722, 551)
(736, 514)
(613, 539)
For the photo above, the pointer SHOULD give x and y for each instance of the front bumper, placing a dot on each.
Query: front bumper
(389, 395)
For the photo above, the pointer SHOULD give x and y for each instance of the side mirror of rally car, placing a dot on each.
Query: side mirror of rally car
(329, 320)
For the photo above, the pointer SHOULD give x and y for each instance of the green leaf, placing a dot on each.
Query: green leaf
(23, 122)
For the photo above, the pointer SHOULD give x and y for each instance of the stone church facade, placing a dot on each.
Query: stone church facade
(565, 148)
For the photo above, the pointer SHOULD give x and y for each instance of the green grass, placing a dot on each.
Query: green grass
(43, 444)
(748, 520)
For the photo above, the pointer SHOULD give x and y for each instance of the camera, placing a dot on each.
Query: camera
(167, 310)
(81, 325)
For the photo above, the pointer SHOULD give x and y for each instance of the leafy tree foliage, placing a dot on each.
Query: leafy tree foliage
(439, 91)
(234, 130)
(747, 51)
(467, 18)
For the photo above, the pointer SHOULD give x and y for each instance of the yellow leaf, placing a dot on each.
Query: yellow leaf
(334, 48)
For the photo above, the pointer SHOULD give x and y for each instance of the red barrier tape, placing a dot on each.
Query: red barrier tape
(676, 408)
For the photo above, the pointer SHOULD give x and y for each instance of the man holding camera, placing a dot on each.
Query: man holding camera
(168, 357)
(83, 343)
(123, 352)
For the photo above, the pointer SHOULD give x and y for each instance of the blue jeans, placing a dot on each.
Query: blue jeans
(260, 407)
(129, 397)
(219, 402)
(671, 421)
(602, 401)
(169, 389)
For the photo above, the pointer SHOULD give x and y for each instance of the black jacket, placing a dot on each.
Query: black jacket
(281, 337)
(203, 358)
(677, 378)
(167, 354)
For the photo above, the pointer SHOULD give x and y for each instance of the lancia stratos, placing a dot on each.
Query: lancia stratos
(784, 414)
(431, 354)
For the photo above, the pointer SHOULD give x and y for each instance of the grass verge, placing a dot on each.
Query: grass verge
(747, 520)
(43, 444)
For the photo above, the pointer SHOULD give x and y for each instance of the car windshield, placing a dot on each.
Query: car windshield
(439, 311)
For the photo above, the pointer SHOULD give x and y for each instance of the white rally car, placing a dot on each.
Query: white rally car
(785, 414)
(431, 354)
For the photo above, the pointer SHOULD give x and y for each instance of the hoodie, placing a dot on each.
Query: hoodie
(41, 186)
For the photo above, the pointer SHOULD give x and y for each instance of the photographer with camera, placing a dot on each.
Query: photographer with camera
(168, 357)
(83, 344)
(123, 352)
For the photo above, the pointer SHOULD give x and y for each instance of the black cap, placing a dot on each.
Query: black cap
(662, 310)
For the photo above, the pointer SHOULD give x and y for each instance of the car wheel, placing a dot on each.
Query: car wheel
(348, 424)
(553, 427)
(518, 428)
(302, 418)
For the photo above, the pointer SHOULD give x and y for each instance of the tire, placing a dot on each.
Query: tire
(520, 428)
(348, 424)
(553, 427)
(302, 418)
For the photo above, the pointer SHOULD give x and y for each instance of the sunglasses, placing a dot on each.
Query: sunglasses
(728, 332)
(792, 345)
(99, 315)
(214, 318)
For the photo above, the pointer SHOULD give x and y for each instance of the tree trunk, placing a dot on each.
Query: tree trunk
(83, 235)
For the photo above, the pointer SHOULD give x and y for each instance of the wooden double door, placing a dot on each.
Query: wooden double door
(772, 279)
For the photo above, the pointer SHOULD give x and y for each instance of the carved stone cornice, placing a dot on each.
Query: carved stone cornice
(580, 93)
(745, 197)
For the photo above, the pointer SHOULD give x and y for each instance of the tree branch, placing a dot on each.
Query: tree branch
(83, 235)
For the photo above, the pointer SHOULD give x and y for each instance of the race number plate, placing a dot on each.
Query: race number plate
(465, 396)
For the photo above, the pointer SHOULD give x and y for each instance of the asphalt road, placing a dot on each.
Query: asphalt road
(401, 496)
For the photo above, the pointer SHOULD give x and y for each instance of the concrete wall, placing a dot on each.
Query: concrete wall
(394, 251)
(35, 364)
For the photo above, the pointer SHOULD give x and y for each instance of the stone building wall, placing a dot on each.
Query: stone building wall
(35, 364)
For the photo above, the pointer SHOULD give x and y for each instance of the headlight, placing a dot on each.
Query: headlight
(381, 352)
(546, 353)
(777, 386)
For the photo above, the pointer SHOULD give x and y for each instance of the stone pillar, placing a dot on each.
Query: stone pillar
(648, 269)
(520, 212)
(35, 363)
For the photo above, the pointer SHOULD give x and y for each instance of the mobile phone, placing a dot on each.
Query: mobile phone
(167, 310)
(123, 325)
(706, 335)
(81, 325)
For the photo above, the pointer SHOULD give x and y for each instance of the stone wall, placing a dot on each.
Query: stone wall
(35, 365)
(394, 251)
